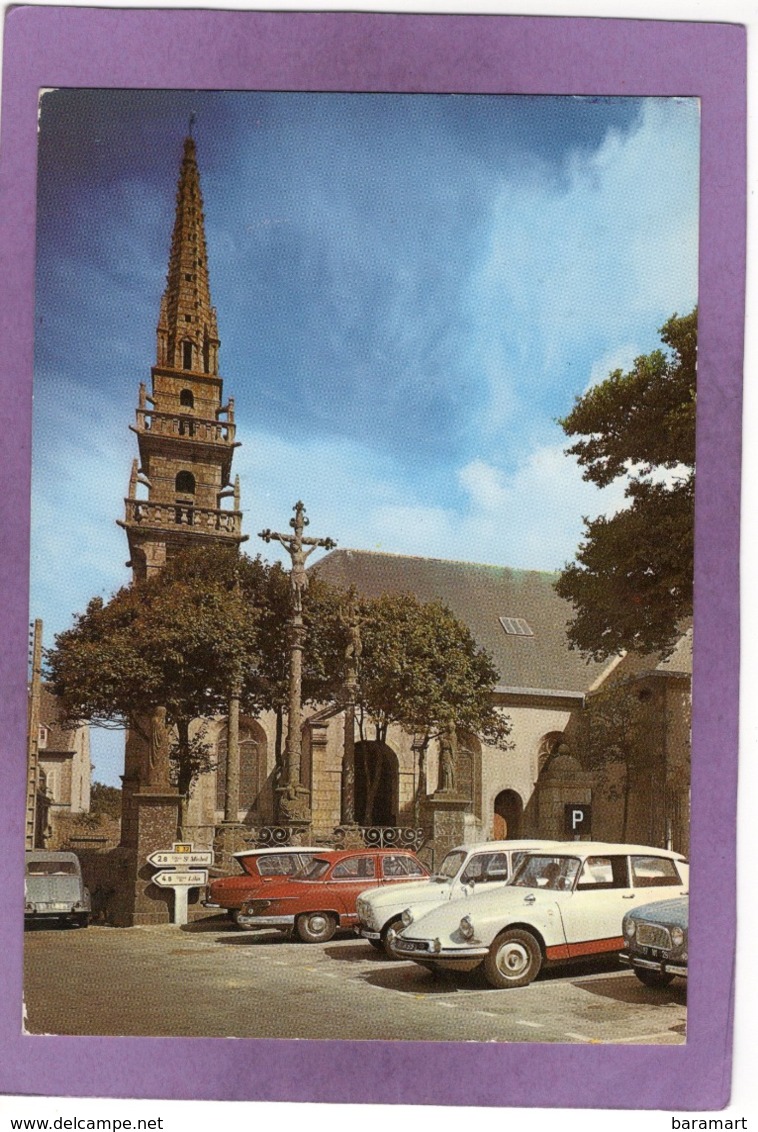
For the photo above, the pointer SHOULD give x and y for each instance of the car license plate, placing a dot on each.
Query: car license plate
(58, 907)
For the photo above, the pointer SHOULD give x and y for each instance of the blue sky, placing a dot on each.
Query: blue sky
(410, 290)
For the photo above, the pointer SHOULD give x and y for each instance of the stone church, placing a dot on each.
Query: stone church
(182, 490)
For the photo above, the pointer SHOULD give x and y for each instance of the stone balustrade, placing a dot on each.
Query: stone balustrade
(210, 520)
(185, 426)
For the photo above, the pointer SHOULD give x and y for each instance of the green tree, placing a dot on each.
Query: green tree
(631, 583)
(179, 641)
(420, 668)
(105, 800)
(268, 587)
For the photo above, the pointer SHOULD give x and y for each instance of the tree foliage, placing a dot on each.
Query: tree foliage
(631, 583)
(422, 669)
(179, 640)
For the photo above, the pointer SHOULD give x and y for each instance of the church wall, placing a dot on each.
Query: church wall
(517, 769)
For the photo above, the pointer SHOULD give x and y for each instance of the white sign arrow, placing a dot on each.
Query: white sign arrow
(184, 878)
(188, 860)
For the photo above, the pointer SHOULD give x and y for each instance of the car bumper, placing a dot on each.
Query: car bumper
(366, 933)
(660, 965)
(448, 958)
(264, 921)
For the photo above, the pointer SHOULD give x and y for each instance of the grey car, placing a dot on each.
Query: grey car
(55, 890)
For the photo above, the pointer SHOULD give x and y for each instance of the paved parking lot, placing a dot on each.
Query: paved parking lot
(209, 979)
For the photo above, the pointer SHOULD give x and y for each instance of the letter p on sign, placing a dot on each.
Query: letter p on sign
(577, 820)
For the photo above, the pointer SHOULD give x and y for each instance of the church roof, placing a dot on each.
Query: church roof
(515, 614)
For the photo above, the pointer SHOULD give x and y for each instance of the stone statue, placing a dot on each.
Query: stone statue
(159, 747)
(448, 744)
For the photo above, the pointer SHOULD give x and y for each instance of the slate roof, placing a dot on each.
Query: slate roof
(479, 595)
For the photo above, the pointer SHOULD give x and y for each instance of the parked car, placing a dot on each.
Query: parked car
(655, 941)
(54, 888)
(562, 904)
(322, 900)
(257, 867)
(465, 869)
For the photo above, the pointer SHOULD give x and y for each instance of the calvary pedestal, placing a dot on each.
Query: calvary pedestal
(446, 814)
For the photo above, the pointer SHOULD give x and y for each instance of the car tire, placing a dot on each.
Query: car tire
(652, 978)
(376, 944)
(396, 925)
(316, 927)
(513, 960)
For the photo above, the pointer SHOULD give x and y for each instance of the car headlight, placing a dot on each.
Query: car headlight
(467, 928)
(407, 917)
(677, 937)
(630, 928)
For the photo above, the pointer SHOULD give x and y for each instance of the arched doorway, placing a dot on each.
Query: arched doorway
(376, 784)
(509, 811)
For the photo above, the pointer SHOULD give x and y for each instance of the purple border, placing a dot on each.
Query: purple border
(143, 48)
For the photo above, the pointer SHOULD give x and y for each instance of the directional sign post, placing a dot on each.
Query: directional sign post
(182, 874)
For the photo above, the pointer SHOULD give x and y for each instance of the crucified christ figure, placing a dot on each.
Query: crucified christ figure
(295, 544)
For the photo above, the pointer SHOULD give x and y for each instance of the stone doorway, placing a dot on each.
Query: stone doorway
(376, 784)
(509, 812)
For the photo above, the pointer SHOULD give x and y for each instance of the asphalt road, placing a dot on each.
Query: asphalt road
(209, 979)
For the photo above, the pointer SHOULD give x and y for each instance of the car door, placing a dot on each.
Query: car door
(348, 878)
(593, 912)
(485, 871)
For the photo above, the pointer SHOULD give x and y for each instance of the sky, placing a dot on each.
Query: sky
(411, 291)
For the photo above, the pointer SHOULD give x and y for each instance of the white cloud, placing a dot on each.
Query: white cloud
(568, 273)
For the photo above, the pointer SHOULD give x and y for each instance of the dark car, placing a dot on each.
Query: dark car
(54, 889)
(655, 941)
(323, 900)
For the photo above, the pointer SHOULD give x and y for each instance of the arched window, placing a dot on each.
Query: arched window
(185, 483)
(187, 399)
(206, 355)
(186, 355)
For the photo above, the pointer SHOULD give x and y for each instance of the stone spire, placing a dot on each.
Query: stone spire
(187, 328)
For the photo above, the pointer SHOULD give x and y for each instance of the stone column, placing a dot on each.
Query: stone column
(232, 792)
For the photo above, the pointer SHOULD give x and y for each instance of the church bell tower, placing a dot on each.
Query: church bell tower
(180, 488)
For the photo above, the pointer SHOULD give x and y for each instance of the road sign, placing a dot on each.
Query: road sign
(188, 859)
(181, 878)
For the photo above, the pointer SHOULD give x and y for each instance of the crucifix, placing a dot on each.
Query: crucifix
(293, 796)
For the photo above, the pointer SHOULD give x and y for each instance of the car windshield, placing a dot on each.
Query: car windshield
(450, 866)
(50, 868)
(555, 873)
(316, 870)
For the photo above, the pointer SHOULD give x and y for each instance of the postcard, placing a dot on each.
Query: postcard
(375, 616)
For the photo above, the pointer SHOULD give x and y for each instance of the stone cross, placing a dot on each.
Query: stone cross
(293, 796)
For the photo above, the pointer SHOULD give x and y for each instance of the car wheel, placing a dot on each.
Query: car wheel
(652, 978)
(83, 921)
(376, 944)
(394, 926)
(316, 927)
(513, 960)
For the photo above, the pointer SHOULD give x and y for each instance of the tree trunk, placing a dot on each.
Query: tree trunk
(278, 753)
(372, 780)
(184, 774)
